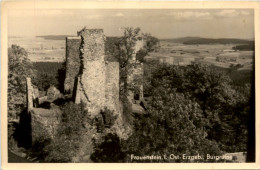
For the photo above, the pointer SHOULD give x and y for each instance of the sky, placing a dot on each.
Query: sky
(161, 23)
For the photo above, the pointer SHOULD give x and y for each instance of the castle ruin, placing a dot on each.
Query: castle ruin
(91, 77)
(97, 83)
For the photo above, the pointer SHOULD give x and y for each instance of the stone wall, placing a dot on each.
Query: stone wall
(72, 62)
(91, 82)
(29, 92)
(112, 86)
(32, 95)
(44, 123)
(135, 80)
(73, 59)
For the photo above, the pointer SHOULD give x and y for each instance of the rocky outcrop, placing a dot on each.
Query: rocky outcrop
(53, 93)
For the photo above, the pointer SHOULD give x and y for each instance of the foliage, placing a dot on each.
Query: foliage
(44, 80)
(122, 48)
(152, 44)
(225, 109)
(19, 67)
(66, 142)
(169, 127)
(49, 74)
(247, 47)
(109, 117)
(149, 67)
(47, 67)
(109, 150)
(106, 119)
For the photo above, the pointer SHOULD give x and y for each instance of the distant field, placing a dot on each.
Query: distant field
(41, 48)
(54, 37)
(181, 54)
(199, 40)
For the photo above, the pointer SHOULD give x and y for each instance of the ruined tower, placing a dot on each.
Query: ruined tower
(98, 81)
(92, 74)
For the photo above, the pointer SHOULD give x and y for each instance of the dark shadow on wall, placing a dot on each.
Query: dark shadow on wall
(23, 131)
(61, 75)
(75, 88)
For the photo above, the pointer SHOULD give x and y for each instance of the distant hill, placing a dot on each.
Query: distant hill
(245, 47)
(217, 41)
(180, 40)
(54, 37)
(199, 40)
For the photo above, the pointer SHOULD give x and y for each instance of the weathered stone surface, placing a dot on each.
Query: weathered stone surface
(32, 95)
(137, 109)
(44, 123)
(43, 99)
(35, 97)
(91, 82)
(139, 44)
(135, 81)
(29, 91)
(72, 62)
(93, 45)
(53, 93)
(112, 86)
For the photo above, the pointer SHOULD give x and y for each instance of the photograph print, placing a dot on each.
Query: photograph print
(131, 85)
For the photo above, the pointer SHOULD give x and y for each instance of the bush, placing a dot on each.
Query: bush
(106, 119)
(66, 142)
(109, 150)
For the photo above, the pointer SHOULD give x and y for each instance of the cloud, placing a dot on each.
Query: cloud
(119, 14)
(227, 13)
(245, 13)
(38, 13)
(191, 14)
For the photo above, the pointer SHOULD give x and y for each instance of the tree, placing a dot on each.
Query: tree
(45, 80)
(19, 67)
(109, 150)
(152, 44)
(173, 124)
(69, 136)
(224, 108)
(123, 49)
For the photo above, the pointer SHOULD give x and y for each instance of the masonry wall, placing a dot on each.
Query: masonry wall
(29, 92)
(72, 62)
(32, 95)
(112, 86)
(44, 123)
(135, 80)
(91, 82)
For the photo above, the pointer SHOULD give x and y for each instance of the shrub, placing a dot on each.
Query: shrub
(66, 142)
(106, 119)
(109, 150)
